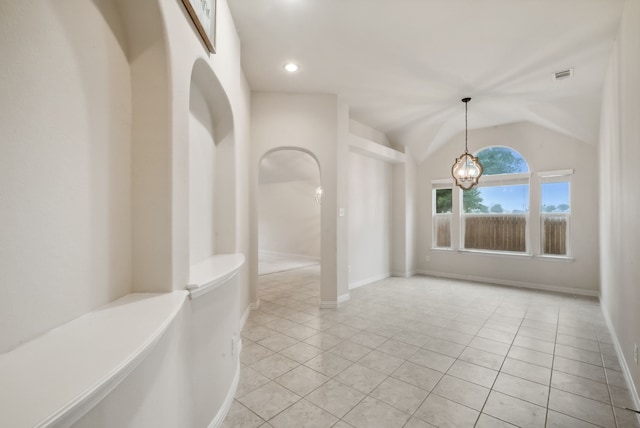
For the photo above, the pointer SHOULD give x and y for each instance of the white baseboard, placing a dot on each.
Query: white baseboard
(623, 362)
(332, 304)
(520, 284)
(218, 420)
(328, 304)
(368, 280)
(344, 298)
(301, 256)
(407, 274)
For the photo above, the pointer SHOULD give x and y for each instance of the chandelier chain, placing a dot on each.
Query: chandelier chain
(466, 127)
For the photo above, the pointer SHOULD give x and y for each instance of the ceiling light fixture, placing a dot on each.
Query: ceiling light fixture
(466, 170)
(291, 67)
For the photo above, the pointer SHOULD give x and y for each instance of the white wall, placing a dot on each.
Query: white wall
(370, 182)
(202, 178)
(403, 219)
(94, 186)
(289, 218)
(544, 150)
(619, 196)
(65, 164)
(309, 123)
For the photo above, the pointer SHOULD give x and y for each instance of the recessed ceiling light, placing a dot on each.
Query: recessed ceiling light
(291, 67)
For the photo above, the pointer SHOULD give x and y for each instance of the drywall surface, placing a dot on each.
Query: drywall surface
(544, 150)
(619, 197)
(202, 178)
(289, 220)
(370, 182)
(309, 123)
(94, 187)
(65, 164)
(403, 206)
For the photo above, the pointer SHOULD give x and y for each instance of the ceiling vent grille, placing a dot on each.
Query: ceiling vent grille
(564, 74)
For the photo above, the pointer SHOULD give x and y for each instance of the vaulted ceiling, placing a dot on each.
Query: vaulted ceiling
(403, 65)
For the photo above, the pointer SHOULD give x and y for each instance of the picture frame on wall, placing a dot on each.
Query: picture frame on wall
(203, 15)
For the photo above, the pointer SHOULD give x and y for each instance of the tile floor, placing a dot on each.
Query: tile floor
(424, 352)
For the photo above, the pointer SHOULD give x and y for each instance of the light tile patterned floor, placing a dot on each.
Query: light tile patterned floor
(425, 352)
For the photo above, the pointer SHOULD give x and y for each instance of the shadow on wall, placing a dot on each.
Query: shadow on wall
(212, 213)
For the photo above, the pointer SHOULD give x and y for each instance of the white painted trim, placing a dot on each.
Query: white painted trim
(332, 304)
(55, 357)
(328, 304)
(520, 284)
(301, 256)
(366, 147)
(218, 420)
(623, 362)
(368, 281)
(213, 272)
(407, 274)
(555, 174)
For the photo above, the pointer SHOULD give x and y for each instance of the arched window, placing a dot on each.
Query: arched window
(494, 215)
(502, 160)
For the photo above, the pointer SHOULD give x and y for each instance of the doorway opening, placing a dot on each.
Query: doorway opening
(289, 199)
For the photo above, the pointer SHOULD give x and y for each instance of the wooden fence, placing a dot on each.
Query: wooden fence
(503, 233)
(554, 235)
(443, 231)
(496, 232)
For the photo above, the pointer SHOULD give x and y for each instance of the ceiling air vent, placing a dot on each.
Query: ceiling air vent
(564, 74)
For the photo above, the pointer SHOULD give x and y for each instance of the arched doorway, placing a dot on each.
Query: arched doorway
(289, 197)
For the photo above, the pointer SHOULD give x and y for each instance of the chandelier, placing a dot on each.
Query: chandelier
(466, 170)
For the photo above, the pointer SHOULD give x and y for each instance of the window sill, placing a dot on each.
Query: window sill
(495, 253)
(443, 249)
(546, 257)
(565, 259)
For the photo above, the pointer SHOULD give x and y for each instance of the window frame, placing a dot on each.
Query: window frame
(519, 178)
(435, 186)
(556, 176)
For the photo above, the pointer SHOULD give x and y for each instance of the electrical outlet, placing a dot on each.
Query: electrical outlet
(635, 353)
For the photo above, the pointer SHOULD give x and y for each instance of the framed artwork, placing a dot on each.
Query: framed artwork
(203, 14)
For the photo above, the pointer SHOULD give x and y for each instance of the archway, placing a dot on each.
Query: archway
(288, 198)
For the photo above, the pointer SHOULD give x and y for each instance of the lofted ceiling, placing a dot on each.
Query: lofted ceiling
(403, 65)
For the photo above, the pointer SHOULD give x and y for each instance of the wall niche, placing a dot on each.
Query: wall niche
(212, 183)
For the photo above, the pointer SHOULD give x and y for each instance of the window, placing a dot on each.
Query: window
(495, 213)
(555, 212)
(442, 207)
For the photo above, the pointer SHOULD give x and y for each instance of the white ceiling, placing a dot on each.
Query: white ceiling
(403, 65)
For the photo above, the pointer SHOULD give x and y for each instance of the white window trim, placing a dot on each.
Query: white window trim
(505, 179)
(440, 185)
(491, 181)
(556, 176)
